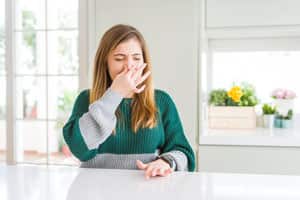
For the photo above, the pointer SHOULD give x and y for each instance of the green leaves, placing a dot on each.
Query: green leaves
(289, 115)
(268, 109)
(218, 97)
(249, 98)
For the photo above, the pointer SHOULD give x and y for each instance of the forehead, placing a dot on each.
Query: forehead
(130, 46)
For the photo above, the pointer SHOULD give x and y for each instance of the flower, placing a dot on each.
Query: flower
(281, 93)
(235, 93)
(238, 95)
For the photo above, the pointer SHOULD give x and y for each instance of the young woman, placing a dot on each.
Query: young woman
(122, 122)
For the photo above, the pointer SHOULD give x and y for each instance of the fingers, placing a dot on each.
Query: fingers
(148, 172)
(143, 78)
(157, 171)
(130, 72)
(123, 72)
(164, 172)
(138, 71)
(134, 77)
(141, 165)
(139, 90)
(167, 172)
(153, 169)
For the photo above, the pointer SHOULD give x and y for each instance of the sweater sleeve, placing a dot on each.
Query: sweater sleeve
(90, 125)
(176, 144)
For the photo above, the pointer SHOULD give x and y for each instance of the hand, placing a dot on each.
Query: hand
(155, 168)
(128, 80)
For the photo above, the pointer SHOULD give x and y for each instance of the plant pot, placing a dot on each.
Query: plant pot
(231, 117)
(286, 123)
(268, 121)
(277, 123)
(284, 105)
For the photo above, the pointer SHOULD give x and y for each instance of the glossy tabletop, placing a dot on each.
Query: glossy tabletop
(43, 183)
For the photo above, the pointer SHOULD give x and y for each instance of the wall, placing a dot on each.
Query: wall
(170, 29)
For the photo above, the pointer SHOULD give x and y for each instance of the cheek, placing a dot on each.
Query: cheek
(114, 68)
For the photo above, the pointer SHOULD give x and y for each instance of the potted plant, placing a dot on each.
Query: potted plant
(284, 121)
(268, 115)
(284, 100)
(233, 108)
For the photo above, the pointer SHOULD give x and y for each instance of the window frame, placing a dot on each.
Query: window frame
(12, 156)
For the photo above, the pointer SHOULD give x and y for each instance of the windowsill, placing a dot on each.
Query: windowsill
(256, 137)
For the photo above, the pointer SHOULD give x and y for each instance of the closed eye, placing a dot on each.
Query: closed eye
(119, 59)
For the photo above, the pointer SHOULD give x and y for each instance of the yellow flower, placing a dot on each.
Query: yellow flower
(235, 93)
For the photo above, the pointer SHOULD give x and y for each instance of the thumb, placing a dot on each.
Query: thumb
(124, 71)
(141, 165)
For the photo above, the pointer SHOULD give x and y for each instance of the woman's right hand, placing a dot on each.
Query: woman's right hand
(127, 81)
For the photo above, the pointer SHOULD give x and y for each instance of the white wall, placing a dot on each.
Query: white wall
(170, 29)
(236, 13)
(235, 19)
(249, 159)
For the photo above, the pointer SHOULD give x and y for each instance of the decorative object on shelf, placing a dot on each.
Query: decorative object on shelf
(284, 100)
(233, 109)
(268, 115)
(284, 121)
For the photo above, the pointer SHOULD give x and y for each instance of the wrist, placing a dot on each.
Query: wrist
(116, 90)
(169, 160)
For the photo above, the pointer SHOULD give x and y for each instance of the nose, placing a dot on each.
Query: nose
(129, 63)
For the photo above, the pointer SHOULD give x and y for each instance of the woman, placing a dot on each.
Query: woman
(122, 122)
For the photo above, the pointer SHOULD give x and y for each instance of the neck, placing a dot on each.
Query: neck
(130, 95)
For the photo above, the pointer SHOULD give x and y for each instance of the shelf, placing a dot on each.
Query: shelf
(256, 137)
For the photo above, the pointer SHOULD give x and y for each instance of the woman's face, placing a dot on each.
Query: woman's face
(127, 54)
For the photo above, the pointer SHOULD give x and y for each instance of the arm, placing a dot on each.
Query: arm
(90, 125)
(176, 145)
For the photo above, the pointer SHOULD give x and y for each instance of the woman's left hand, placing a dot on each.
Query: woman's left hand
(155, 168)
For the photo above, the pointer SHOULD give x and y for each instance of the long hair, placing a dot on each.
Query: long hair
(143, 108)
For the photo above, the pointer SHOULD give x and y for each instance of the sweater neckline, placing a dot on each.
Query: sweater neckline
(127, 100)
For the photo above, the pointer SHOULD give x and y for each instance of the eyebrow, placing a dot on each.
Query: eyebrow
(120, 54)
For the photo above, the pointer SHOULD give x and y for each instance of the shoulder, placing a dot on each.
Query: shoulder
(163, 99)
(162, 95)
(83, 96)
(82, 102)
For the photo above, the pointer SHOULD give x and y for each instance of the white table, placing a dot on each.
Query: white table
(42, 183)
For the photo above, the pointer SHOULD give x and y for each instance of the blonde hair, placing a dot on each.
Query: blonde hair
(143, 112)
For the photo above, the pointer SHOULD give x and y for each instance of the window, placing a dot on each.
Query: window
(2, 83)
(266, 63)
(46, 75)
(267, 70)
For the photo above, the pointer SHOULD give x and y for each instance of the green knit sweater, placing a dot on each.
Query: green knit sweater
(88, 133)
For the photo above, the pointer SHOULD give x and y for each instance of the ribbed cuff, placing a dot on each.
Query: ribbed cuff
(111, 98)
(179, 158)
(91, 132)
(97, 125)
